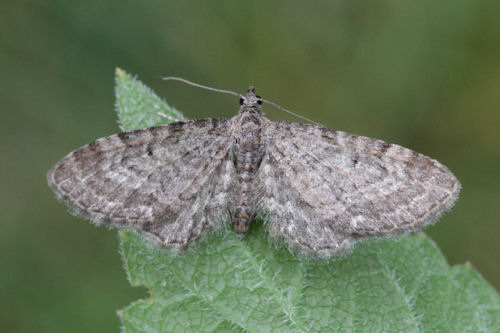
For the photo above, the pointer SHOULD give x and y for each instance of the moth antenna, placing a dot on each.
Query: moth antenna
(168, 78)
(224, 91)
(290, 112)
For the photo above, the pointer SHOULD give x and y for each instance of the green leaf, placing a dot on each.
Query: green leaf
(253, 285)
(138, 106)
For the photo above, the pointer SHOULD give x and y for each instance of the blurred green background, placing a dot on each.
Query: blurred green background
(423, 74)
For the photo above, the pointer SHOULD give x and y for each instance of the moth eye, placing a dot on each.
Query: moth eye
(241, 100)
(259, 100)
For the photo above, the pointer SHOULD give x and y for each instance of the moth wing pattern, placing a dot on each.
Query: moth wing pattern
(168, 183)
(325, 189)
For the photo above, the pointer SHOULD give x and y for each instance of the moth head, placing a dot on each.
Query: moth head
(250, 101)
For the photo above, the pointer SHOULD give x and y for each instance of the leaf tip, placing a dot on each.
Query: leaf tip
(467, 265)
(120, 74)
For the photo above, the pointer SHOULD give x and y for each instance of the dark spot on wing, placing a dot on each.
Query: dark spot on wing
(215, 122)
(147, 226)
(124, 135)
(88, 152)
(329, 135)
(177, 126)
(200, 122)
(385, 147)
(156, 131)
(126, 138)
(93, 146)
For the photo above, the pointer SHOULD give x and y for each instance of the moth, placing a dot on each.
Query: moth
(319, 190)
